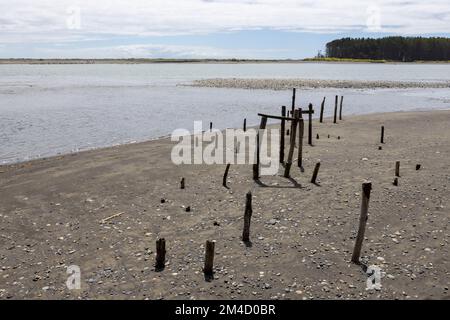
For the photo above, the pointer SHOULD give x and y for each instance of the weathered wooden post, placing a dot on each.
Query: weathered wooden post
(283, 128)
(225, 175)
(366, 188)
(418, 167)
(322, 106)
(335, 109)
(301, 129)
(245, 124)
(288, 165)
(262, 126)
(182, 183)
(210, 127)
(209, 258)
(316, 171)
(397, 168)
(160, 254)
(340, 108)
(247, 217)
(292, 107)
(293, 101)
(310, 112)
(382, 134)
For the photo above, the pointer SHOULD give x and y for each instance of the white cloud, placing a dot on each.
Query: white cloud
(49, 20)
(155, 51)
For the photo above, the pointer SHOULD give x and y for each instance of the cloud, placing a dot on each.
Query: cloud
(155, 51)
(52, 22)
(48, 19)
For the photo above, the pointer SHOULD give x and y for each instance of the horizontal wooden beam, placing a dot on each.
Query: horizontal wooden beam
(275, 117)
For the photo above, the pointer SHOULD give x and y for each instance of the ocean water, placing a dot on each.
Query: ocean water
(52, 109)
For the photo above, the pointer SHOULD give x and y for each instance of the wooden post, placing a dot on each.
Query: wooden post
(322, 106)
(283, 128)
(366, 187)
(256, 166)
(310, 124)
(293, 101)
(209, 258)
(247, 217)
(225, 175)
(182, 183)
(288, 165)
(397, 168)
(418, 166)
(292, 107)
(316, 171)
(160, 254)
(262, 126)
(210, 126)
(340, 108)
(245, 125)
(335, 109)
(301, 129)
(382, 134)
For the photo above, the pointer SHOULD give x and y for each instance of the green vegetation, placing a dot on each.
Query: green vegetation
(406, 49)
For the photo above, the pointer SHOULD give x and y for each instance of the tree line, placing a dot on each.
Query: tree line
(390, 48)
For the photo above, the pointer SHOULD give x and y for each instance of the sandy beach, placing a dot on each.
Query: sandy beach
(302, 235)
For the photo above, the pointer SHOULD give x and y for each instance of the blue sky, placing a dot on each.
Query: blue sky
(205, 28)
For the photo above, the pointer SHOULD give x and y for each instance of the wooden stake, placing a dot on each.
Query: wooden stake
(209, 258)
(335, 109)
(262, 126)
(182, 183)
(293, 101)
(316, 171)
(340, 108)
(160, 254)
(245, 125)
(322, 106)
(417, 166)
(397, 168)
(366, 188)
(283, 128)
(382, 134)
(210, 126)
(310, 106)
(247, 217)
(395, 183)
(225, 175)
(288, 165)
(301, 129)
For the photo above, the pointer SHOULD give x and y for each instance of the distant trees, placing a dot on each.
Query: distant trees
(390, 48)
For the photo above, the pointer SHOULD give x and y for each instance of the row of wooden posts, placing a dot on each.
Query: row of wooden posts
(295, 120)
(208, 268)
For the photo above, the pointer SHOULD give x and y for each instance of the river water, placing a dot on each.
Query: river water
(52, 109)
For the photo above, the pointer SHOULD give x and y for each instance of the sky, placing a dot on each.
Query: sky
(253, 29)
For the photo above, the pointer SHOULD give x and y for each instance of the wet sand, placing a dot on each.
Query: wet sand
(302, 235)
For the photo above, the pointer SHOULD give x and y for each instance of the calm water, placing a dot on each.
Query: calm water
(51, 109)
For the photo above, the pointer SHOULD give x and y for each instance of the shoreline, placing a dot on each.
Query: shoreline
(4, 61)
(167, 138)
